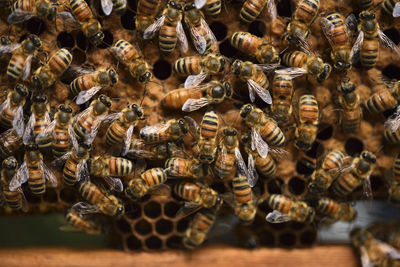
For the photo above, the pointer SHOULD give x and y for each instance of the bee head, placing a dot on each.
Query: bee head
(40, 99)
(21, 91)
(245, 110)
(182, 126)
(368, 156)
(65, 108)
(366, 15)
(10, 163)
(105, 100)
(326, 71)
(145, 77)
(236, 67)
(189, 6)
(31, 147)
(113, 75)
(138, 110)
(97, 38)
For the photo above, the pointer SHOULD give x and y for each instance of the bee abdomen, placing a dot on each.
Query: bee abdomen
(69, 172)
(267, 166)
(115, 133)
(154, 176)
(167, 38)
(369, 53)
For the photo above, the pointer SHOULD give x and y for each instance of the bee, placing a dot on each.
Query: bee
(133, 59)
(326, 172)
(198, 195)
(359, 173)
(10, 142)
(365, 4)
(367, 43)
(184, 168)
(336, 211)
(33, 171)
(145, 13)
(307, 127)
(147, 181)
(11, 110)
(38, 122)
(47, 75)
(88, 121)
(202, 36)
(14, 199)
(207, 132)
(212, 7)
(336, 31)
(119, 6)
(264, 130)
(349, 100)
(21, 60)
(121, 129)
(190, 99)
(282, 92)
(228, 146)
(76, 165)
(251, 45)
(390, 8)
(199, 67)
(169, 131)
(140, 150)
(394, 188)
(109, 205)
(171, 29)
(6, 46)
(86, 86)
(251, 9)
(286, 209)
(80, 223)
(391, 134)
(254, 76)
(24, 10)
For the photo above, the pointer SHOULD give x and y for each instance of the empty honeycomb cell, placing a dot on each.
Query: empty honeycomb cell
(50, 195)
(164, 227)
(389, 112)
(143, 227)
(305, 167)
(353, 146)
(31, 198)
(297, 186)
(123, 226)
(152, 209)
(287, 239)
(107, 41)
(128, 20)
(133, 243)
(81, 41)
(133, 210)
(278, 226)
(219, 29)
(257, 28)
(170, 209)
(308, 238)
(162, 69)
(218, 186)
(317, 149)
(182, 225)
(68, 195)
(297, 226)
(267, 238)
(264, 207)
(325, 133)
(227, 49)
(78, 57)
(65, 39)
(392, 72)
(174, 242)
(35, 26)
(393, 35)
(284, 8)
(132, 4)
(153, 242)
(274, 186)
(377, 183)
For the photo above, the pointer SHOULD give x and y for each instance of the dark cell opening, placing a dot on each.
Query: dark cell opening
(78, 57)
(174, 242)
(296, 186)
(284, 8)
(99, 9)
(264, 207)
(153, 242)
(257, 28)
(393, 34)
(182, 225)
(304, 166)
(267, 238)
(68, 195)
(274, 186)
(162, 69)
(389, 112)
(145, 198)
(107, 41)
(377, 183)
(392, 72)
(164, 227)
(226, 49)
(171, 208)
(31, 198)
(35, 26)
(123, 226)
(353, 146)
(132, 4)
(50, 195)
(219, 186)
(133, 243)
(82, 41)
(133, 210)
(65, 39)
(143, 227)
(152, 209)
(316, 150)
(287, 239)
(308, 238)
(297, 226)
(219, 29)
(68, 76)
(278, 226)
(128, 20)
(325, 133)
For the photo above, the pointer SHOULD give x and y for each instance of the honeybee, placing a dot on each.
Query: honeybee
(24, 10)
(254, 76)
(171, 29)
(190, 99)
(384, 99)
(392, 135)
(212, 7)
(169, 131)
(140, 150)
(308, 119)
(199, 67)
(349, 100)
(86, 86)
(197, 195)
(10, 142)
(282, 92)
(147, 181)
(184, 168)
(133, 59)
(21, 60)
(228, 147)
(390, 8)
(11, 110)
(394, 188)
(207, 132)
(251, 45)
(47, 75)
(251, 9)
(14, 199)
(6, 46)
(145, 13)
(119, 6)
(33, 171)
(367, 42)
(286, 209)
(336, 211)
(79, 222)
(87, 122)
(121, 129)
(326, 172)
(76, 165)
(359, 173)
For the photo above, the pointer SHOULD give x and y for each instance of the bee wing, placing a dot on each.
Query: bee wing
(355, 50)
(258, 143)
(18, 121)
(19, 16)
(86, 95)
(279, 153)
(199, 41)
(388, 249)
(261, 91)
(195, 104)
(199, 3)
(253, 175)
(128, 139)
(69, 23)
(48, 175)
(193, 126)
(367, 189)
(328, 30)
(396, 10)
(388, 43)
(59, 162)
(28, 133)
(160, 190)
(242, 168)
(137, 153)
(9, 48)
(351, 23)
(267, 67)
(85, 208)
(72, 136)
(4, 105)
(272, 10)
(161, 127)
(111, 117)
(187, 209)
(365, 260)
(107, 6)
(19, 178)
(208, 30)
(26, 71)
(82, 171)
(195, 80)
(393, 122)
(229, 198)
(182, 37)
(115, 184)
(48, 130)
(153, 27)
(277, 217)
(292, 72)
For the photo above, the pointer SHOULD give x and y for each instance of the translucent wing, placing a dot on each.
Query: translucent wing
(59, 162)
(86, 95)
(78, 70)
(208, 30)
(28, 133)
(9, 48)
(193, 126)
(367, 189)
(107, 6)
(72, 137)
(242, 168)
(19, 16)
(328, 30)
(128, 139)
(253, 175)
(365, 261)
(194, 104)
(115, 184)
(160, 190)
(111, 117)
(258, 143)
(48, 130)
(388, 249)
(153, 28)
(277, 217)
(82, 171)
(161, 127)
(26, 71)
(268, 67)
(48, 175)
(4, 105)
(20, 178)
(292, 72)
(194, 80)
(92, 135)
(261, 91)
(199, 3)
(18, 121)
(351, 23)
(396, 10)
(272, 10)
(355, 50)
(85, 208)
(182, 37)
(199, 41)
(388, 43)
(393, 122)
(188, 209)
(65, 21)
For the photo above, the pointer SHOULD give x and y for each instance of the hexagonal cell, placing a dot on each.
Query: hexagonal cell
(297, 226)
(227, 49)
(153, 242)
(353, 146)
(68, 195)
(82, 41)
(316, 150)
(218, 186)
(278, 226)
(171, 208)
(65, 39)
(133, 210)
(162, 69)
(35, 26)
(107, 41)
(152, 209)
(219, 29)
(257, 28)
(305, 167)
(274, 186)
(50, 195)
(287, 239)
(182, 225)
(133, 243)
(123, 226)
(174, 242)
(377, 183)
(143, 227)
(297, 186)
(164, 227)
(128, 20)
(325, 133)
(267, 238)
(308, 238)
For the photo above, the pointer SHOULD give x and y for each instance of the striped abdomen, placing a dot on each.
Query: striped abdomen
(25, 5)
(84, 126)
(61, 141)
(147, 7)
(280, 203)
(381, 101)
(369, 53)
(260, 78)
(309, 110)
(387, 7)
(396, 168)
(69, 171)
(306, 11)
(82, 83)
(267, 166)
(246, 42)
(81, 10)
(13, 198)
(91, 193)
(15, 67)
(188, 65)
(119, 166)
(251, 9)
(153, 177)
(295, 59)
(119, 6)
(328, 207)
(224, 165)
(241, 189)
(209, 125)
(213, 7)
(197, 231)
(36, 180)
(392, 137)
(271, 133)
(6, 118)
(167, 38)
(115, 133)
(345, 184)
(60, 62)
(126, 51)
(179, 167)
(365, 4)
(333, 160)
(338, 34)
(351, 119)
(176, 98)
(39, 127)
(10, 142)
(188, 191)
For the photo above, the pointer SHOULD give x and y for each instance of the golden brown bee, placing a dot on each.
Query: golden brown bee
(23, 10)
(141, 150)
(11, 110)
(80, 223)
(212, 7)
(14, 199)
(390, 8)
(76, 165)
(47, 75)
(21, 60)
(88, 121)
(392, 132)
(251, 9)
(33, 171)
(88, 85)
(119, 6)
(207, 143)
(146, 13)
(282, 92)
(199, 67)
(147, 181)
(184, 168)
(307, 126)
(190, 99)
(171, 29)
(394, 186)
(254, 46)
(133, 59)
(6, 45)
(336, 211)
(349, 100)
(359, 173)
(287, 209)
(384, 99)
(170, 131)
(326, 172)
(198, 194)
(228, 147)
(10, 142)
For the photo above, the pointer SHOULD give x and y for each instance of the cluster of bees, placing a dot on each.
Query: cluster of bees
(261, 129)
